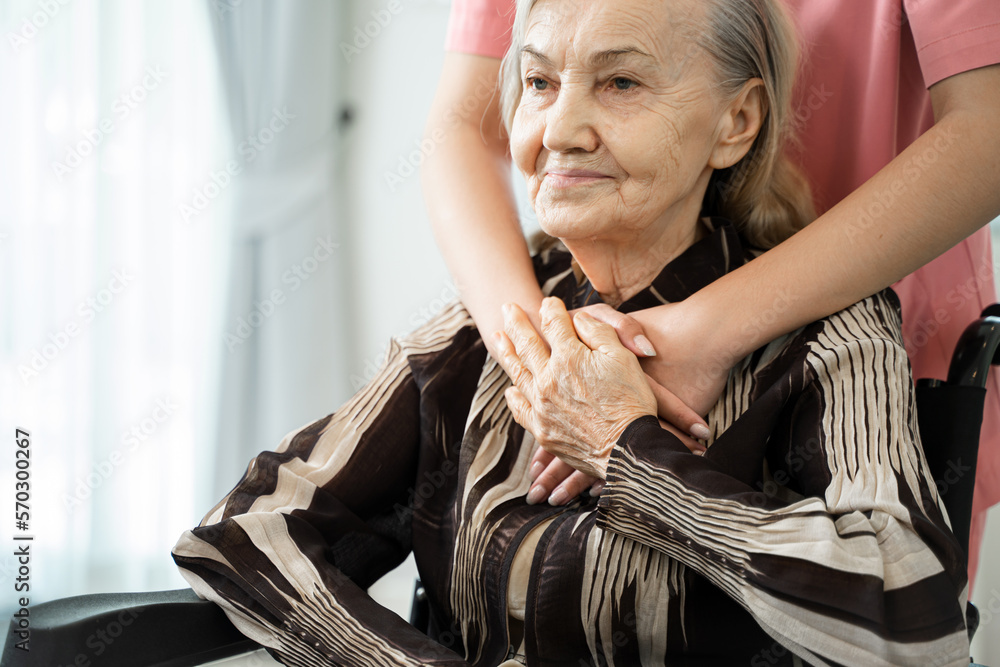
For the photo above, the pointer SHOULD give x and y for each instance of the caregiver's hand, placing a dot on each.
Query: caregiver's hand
(577, 394)
(674, 363)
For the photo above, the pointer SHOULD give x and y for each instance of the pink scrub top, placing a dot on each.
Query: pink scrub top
(861, 100)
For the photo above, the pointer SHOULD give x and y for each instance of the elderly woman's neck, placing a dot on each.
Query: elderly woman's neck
(621, 268)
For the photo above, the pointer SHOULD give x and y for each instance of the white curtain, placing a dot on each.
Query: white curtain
(171, 267)
(285, 346)
(110, 299)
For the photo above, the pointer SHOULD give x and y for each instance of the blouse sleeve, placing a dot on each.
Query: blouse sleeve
(480, 27)
(289, 552)
(954, 36)
(857, 567)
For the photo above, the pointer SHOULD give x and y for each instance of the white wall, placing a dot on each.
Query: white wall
(397, 270)
(986, 596)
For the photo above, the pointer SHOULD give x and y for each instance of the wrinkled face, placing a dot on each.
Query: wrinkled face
(618, 116)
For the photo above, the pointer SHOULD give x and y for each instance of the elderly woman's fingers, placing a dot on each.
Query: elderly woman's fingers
(530, 347)
(519, 406)
(630, 332)
(676, 412)
(510, 362)
(556, 325)
(596, 334)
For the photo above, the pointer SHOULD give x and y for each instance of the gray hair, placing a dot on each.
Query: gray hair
(764, 194)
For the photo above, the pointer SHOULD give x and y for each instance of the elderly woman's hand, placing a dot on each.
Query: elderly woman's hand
(577, 394)
(551, 475)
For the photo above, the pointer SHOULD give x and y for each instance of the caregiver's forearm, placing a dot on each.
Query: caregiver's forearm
(467, 188)
(940, 190)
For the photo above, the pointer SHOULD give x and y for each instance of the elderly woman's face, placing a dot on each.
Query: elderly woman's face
(618, 118)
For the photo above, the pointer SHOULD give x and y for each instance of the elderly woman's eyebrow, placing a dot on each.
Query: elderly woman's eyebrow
(613, 56)
(598, 59)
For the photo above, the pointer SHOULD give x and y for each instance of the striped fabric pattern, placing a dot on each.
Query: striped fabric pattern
(810, 533)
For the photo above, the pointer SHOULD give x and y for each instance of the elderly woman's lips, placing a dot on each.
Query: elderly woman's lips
(566, 179)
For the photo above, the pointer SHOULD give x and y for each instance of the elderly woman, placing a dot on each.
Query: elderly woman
(809, 530)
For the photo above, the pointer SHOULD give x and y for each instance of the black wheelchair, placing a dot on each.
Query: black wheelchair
(178, 629)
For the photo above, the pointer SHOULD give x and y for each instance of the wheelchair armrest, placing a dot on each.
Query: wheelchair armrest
(976, 350)
(161, 629)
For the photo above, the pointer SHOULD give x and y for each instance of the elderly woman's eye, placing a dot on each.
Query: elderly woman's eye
(621, 83)
(538, 84)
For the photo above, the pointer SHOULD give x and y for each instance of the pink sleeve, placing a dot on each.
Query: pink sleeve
(954, 36)
(480, 27)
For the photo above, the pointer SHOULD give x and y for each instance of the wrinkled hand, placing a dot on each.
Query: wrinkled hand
(553, 479)
(549, 474)
(577, 394)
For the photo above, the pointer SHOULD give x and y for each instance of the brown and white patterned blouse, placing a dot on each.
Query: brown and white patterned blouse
(810, 531)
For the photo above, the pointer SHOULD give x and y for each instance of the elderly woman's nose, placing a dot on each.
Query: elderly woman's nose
(569, 122)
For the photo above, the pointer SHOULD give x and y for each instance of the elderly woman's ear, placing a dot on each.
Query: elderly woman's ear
(739, 125)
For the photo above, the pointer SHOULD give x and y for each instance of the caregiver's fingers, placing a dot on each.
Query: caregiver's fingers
(693, 446)
(676, 412)
(509, 361)
(556, 325)
(530, 347)
(574, 485)
(630, 332)
(555, 473)
(539, 462)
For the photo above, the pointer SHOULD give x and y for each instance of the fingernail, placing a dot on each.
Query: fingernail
(596, 489)
(585, 316)
(701, 432)
(558, 497)
(700, 452)
(536, 470)
(537, 494)
(644, 346)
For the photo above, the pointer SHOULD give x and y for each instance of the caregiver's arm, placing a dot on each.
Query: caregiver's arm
(466, 185)
(942, 188)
